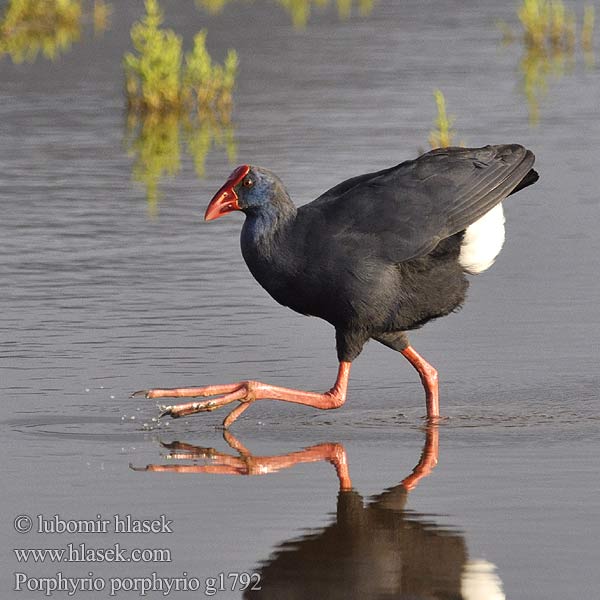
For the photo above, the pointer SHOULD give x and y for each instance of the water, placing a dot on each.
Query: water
(104, 294)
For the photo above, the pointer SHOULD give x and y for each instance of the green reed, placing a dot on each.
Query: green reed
(443, 134)
(160, 79)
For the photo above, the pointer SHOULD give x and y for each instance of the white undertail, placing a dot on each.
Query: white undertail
(483, 241)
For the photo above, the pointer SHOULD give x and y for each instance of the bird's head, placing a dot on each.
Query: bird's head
(248, 189)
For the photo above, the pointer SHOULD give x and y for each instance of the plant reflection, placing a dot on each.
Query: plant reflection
(549, 41)
(300, 10)
(538, 67)
(49, 27)
(101, 14)
(377, 549)
(155, 143)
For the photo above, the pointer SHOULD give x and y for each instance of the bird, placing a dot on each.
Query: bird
(377, 256)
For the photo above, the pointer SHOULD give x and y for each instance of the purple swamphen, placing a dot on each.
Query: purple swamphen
(376, 256)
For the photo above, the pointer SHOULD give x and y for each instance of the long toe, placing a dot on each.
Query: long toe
(166, 411)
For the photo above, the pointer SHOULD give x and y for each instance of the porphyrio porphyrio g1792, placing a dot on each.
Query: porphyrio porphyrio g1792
(375, 256)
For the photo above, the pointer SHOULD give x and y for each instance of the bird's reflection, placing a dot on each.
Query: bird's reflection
(374, 549)
(245, 463)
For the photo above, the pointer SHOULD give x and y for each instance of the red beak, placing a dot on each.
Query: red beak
(226, 199)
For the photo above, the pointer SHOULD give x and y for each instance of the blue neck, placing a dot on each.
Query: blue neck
(264, 224)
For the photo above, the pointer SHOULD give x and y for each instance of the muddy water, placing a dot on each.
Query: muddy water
(104, 294)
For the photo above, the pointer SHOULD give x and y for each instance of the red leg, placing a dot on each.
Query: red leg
(429, 377)
(247, 392)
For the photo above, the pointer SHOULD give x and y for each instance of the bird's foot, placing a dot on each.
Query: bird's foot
(435, 420)
(247, 392)
(244, 392)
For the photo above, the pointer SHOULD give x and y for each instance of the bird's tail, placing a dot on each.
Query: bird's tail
(528, 180)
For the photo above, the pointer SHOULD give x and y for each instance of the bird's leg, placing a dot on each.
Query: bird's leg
(397, 340)
(247, 392)
(429, 378)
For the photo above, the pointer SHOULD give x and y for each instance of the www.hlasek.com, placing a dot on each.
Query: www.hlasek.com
(76, 553)
(83, 552)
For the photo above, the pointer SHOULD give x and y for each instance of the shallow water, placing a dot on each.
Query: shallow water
(104, 294)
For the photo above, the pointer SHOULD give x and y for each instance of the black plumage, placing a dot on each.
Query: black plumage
(376, 256)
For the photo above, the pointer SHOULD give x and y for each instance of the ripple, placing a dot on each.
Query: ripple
(92, 428)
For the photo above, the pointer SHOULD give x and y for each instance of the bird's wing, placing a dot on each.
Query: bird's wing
(408, 209)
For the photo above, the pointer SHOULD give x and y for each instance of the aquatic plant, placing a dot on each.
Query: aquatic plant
(547, 22)
(549, 37)
(587, 35)
(49, 28)
(167, 92)
(158, 80)
(153, 73)
(587, 29)
(299, 10)
(29, 27)
(212, 6)
(210, 84)
(550, 25)
(443, 134)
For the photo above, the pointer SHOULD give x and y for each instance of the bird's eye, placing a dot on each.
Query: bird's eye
(248, 182)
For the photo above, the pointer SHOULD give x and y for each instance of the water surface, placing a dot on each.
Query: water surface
(103, 295)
